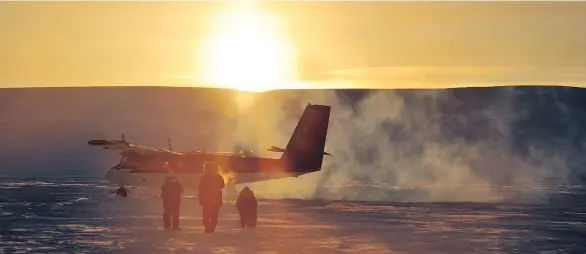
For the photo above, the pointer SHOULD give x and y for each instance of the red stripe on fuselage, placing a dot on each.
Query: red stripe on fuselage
(193, 163)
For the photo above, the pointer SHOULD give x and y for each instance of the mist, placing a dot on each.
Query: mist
(466, 144)
(423, 145)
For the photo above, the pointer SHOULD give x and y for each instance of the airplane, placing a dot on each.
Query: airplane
(148, 167)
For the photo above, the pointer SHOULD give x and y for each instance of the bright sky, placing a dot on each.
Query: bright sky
(179, 43)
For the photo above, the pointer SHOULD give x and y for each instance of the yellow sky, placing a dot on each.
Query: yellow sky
(149, 43)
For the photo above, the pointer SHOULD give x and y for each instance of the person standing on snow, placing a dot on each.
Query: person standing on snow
(247, 208)
(171, 193)
(210, 195)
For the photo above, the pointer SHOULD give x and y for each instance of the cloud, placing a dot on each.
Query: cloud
(456, 77)
(402, 145)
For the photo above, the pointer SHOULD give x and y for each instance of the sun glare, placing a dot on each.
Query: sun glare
(246, 51)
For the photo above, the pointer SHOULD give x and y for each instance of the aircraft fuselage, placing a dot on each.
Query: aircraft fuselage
(149, 171)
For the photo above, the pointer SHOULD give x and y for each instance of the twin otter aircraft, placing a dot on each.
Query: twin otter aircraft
(148, 167)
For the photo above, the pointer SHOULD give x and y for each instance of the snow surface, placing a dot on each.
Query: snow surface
(69, 214)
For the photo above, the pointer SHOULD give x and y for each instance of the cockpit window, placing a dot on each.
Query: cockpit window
(129, 161)
(143, 162)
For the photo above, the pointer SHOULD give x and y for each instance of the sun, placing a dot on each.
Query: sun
(246, 51)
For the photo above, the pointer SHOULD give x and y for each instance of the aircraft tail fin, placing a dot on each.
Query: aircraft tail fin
(305, 149)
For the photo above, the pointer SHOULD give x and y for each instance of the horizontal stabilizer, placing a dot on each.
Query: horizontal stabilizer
(276, 149)
(281, 150)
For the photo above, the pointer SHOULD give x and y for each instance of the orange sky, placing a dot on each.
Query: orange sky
(141, 43)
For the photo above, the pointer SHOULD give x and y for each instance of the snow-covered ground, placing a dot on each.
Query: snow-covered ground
(79, 214)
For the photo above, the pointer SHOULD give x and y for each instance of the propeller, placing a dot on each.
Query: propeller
(169, 144)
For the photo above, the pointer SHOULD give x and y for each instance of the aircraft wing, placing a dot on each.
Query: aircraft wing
(128, 148)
